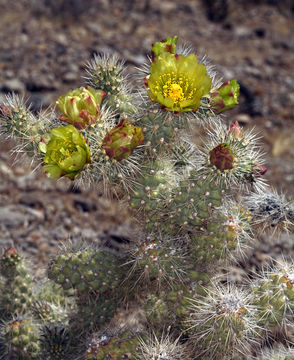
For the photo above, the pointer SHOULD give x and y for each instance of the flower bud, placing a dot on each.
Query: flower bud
(81, 107)
(120, 141)
(225, 97)
(236, 131)
(4, 110)
(259, 170)
(10, 252)
(256, 172)
(66, 152)
(222, 157)
(10, 257)
(167, 45)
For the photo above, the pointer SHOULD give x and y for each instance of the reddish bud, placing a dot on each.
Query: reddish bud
(235, 130)
(10, 252)
(4, 110)
(222, 157)
(259, 170)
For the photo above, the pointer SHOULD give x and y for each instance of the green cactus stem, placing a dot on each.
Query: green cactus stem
(158, 260)
(22, 339)
(18, 296)
(122, 103)
(274, 296)
(222, 323)
(87, 271)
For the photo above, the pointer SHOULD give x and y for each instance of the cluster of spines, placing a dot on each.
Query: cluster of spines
(107, 73)
(56, 343)
(17, 121)
(231, 157)
(158, 260)
(222, 324)
(271, 210)
(162, 348)
(277, 353)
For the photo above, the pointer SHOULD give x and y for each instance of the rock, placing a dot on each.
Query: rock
(13, 85)
(242, 31)
(283, 144)
(11, 216)
(243, 118)
(69, 77)
(95, 28)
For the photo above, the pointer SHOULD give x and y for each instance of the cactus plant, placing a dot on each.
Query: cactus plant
(197, 208)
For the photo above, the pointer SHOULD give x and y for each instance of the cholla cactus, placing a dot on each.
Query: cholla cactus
(196, 206)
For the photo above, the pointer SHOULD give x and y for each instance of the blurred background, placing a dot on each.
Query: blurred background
(44, 45)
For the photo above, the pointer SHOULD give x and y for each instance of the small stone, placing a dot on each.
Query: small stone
(95, 28)
(11, 217)
(70, 77)
(13, 85)
(243, 118)
(242, 31)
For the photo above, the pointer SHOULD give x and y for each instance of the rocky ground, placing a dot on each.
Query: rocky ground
(44, 46)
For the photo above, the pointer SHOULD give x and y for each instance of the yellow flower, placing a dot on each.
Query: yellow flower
(177, 82)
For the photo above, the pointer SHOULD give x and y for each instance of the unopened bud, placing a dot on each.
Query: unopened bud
(235, 130)
(222, 157)
(167, 45)
(225, 97)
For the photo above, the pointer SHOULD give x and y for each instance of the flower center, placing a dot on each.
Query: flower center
(175, 92)
(176, 86)
(66, 147)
